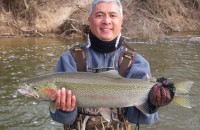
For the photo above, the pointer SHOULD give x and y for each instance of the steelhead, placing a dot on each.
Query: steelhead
(99, 90)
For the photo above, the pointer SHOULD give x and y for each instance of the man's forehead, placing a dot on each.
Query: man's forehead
(106, 7)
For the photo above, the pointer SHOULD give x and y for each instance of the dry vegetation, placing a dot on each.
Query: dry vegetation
(161, 17)
(143, 18)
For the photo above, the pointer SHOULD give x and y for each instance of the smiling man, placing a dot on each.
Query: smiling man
(106, 21)
(105, 50)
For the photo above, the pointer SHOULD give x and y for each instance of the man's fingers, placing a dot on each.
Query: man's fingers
(65, 100)
(155, 95)
(68, 100)
(165, 96)
(58, 100)
(158, 97)
(73, 103)
(63, 97)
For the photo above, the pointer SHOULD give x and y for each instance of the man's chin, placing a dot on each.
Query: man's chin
(106, 38)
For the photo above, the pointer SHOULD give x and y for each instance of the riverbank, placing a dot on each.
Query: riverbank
(68, 18)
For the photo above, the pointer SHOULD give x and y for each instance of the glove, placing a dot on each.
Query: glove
(161, 94)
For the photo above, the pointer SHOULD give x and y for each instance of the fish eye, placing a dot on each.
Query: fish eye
(35, 88)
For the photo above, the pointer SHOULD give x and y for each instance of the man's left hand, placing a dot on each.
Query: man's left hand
(162, 93)
(160, 96)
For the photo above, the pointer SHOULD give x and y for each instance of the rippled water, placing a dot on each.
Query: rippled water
(177, 58)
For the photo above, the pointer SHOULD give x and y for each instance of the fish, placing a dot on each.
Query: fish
(99, 90)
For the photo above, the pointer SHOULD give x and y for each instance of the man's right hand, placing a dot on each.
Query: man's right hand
(65, 100)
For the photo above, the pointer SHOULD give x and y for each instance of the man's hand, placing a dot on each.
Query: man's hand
(65, 100)
(162, 93)
(160, 96)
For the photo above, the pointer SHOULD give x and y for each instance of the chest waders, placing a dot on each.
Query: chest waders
(89, 118)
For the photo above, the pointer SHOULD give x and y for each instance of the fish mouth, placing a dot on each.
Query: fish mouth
(27, 93)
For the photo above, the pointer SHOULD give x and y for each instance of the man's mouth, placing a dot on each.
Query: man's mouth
(106, 29)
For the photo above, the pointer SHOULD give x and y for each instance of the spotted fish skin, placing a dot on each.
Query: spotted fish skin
(106, 89)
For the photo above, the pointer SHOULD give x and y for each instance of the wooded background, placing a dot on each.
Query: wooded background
(68, 18)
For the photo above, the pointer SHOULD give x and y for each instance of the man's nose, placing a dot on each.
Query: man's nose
(106, 20)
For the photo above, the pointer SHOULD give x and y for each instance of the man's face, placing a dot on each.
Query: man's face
(105, 21)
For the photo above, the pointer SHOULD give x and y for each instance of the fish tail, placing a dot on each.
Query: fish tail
(181, 96)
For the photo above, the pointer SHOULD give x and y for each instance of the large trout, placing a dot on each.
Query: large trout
(99, 90)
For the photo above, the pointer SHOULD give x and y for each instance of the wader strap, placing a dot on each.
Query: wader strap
(137, 127)
(125, 61)
(79, 55)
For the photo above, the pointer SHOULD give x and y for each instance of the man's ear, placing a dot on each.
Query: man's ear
(89, 20)
(122, 22)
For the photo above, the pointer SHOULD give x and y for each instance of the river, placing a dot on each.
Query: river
(177, 58)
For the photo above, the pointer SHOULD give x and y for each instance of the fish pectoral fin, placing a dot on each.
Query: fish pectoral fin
(144, 108)
(52, 106)
(105, 113)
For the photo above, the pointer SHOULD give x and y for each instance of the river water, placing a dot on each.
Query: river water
(177, 58)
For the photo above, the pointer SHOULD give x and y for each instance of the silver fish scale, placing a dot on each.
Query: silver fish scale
(98, 90)
(98, 82)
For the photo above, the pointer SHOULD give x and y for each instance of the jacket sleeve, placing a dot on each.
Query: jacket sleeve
(64, 117)
(65, 64)
(139, 70)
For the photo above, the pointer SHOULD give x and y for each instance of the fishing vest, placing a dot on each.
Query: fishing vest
(91, 119)
(125, 60)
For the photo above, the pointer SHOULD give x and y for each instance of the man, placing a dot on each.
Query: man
(103, 51)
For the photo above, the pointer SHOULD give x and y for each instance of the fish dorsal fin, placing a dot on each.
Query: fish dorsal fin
(111, 74)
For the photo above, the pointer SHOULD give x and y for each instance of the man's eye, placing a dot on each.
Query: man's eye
(99, 15)
(113, 16)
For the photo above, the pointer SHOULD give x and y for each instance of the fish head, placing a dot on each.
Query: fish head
(28, 90)
(42, 91)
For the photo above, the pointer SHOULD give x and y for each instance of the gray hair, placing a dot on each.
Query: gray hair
(94, 2)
